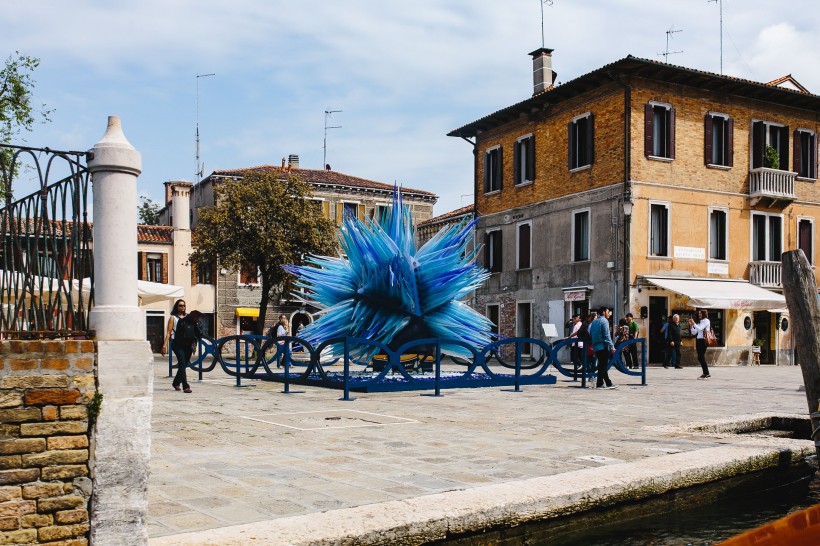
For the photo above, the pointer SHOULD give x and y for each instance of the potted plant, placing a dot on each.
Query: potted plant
(772, 159)
(757, 345)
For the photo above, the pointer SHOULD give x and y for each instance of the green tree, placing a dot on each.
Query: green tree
(148, 211)
(263, 221)
(16, 110)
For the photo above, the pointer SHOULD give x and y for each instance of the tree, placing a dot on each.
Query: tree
(16, 110)
(148, 211)
(262, 221)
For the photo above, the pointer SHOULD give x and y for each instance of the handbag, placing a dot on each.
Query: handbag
(711, 339)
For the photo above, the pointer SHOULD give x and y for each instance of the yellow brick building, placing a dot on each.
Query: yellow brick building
(632, 186)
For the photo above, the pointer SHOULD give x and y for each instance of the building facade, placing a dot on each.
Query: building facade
(237, 293)
(598, 191)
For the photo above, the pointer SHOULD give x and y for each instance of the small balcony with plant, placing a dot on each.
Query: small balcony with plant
(770, 185)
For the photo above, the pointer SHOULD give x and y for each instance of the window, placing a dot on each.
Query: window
(767, 237)
(352, 209)
(153, 267)
(658, 229)
(717, 234)
(659, 129)
(523, 325)
(764, 136)
(249, 274)
(492, 170)
(580, 235)
(494, 316)
(581, 143)
(719, 140)
(204, 273)
(380, 212)
(492, 251)
(805, 153)
(524, 246)
(805, 237)
(524, 160)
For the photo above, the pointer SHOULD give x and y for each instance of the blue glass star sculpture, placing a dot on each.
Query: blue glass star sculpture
(386, 290)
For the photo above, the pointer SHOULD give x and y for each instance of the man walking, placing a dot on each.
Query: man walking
(603, 346)
(634, 329)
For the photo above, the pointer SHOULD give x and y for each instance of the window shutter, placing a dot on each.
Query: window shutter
(326, 209)
(486, 172)
(340, 213)
(813, 160)
(708, 124)
(797, 150)
(531, 158)
(165, 269)
(730, 142)
(517, 174)
(648, 129)
(141, 266)
(497, 250)
(570, 151)
(758, 143)
(499, 170)
(784, 153)
(487, 251)
(194, 272)
(590, 143)
(671, 114)
(360, 210)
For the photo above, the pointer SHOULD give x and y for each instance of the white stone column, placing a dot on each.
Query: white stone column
(121, 449)
(114, 170)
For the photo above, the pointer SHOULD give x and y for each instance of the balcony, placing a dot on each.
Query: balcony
(765, 274)
(771, 186)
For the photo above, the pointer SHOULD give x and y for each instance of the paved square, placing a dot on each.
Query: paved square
(320, 420)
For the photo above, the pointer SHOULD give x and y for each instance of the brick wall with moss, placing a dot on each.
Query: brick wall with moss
(45, 488)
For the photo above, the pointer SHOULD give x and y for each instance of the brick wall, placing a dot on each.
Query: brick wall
(44, 442)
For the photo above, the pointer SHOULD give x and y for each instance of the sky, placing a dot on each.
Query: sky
(402, 73)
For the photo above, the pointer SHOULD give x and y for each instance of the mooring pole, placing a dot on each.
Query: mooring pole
(800, 289)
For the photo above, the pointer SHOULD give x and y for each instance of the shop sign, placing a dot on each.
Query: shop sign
(575, 296)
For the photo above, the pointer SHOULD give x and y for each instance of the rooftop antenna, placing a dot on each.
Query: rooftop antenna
(328, 112)
(667, 53)
(199, 167)
(542, 2)
(720, 4)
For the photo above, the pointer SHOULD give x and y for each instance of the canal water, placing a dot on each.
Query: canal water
(701, 515)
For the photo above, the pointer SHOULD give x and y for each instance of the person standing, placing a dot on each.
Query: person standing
(603, 346)
(575, 349)
(187, 334)
(674, 341)
(668, 351)
(177, 312)
(634, 330)
(282, 326)
(700, 328)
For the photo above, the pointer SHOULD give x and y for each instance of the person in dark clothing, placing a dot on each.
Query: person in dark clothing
(634, 331)
(621, 335)
(699, 329)
(183, 347)
(604, 348)
(674, 341)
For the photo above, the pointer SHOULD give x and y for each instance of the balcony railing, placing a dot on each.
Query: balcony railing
(765, 274)
(772, 183)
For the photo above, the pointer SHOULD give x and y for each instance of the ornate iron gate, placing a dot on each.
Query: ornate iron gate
(46, 257)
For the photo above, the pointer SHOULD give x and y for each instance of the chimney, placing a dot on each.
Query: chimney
(181, 205)
(293, 161)
(542, 74)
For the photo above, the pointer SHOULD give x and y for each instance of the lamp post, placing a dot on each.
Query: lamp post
(627, 207)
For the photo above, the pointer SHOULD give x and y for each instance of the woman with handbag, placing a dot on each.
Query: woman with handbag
(701, 329)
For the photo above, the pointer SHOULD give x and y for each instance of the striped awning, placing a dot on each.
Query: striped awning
(247, 312)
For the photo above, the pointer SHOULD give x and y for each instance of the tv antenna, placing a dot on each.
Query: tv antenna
(542, 2)
(199, 168)
(328, 113)
(720, 4)
(667, 53)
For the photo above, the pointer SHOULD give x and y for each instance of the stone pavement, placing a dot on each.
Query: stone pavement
(223, 456)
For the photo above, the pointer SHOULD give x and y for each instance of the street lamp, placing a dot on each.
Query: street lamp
(627, 204)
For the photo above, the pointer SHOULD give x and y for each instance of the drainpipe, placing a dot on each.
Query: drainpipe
(627, 193)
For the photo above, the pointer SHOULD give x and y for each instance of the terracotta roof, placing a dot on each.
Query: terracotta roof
(155, 234)
(453, 214)
(329, 178)
(791, 80)
(649, 69)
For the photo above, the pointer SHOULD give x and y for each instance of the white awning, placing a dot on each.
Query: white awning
(148, 292)
(722, 294)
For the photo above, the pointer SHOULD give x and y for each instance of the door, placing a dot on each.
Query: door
(763, 324)
(155, 331)
(658, 312)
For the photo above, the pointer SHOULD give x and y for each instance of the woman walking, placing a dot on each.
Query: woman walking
(700, 328)
(177, 314)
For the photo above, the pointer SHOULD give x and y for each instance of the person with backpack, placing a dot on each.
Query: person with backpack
(187, 334)
(177, 312)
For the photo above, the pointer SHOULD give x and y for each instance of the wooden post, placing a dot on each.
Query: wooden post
(800, 290)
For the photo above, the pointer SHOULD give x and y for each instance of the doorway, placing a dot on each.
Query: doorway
(762, 324)
(155, 331)
(658, 312)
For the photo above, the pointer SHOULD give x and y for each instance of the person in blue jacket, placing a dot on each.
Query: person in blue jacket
(603, 346)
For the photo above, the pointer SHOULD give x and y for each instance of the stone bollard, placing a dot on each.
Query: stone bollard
(122, 436)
